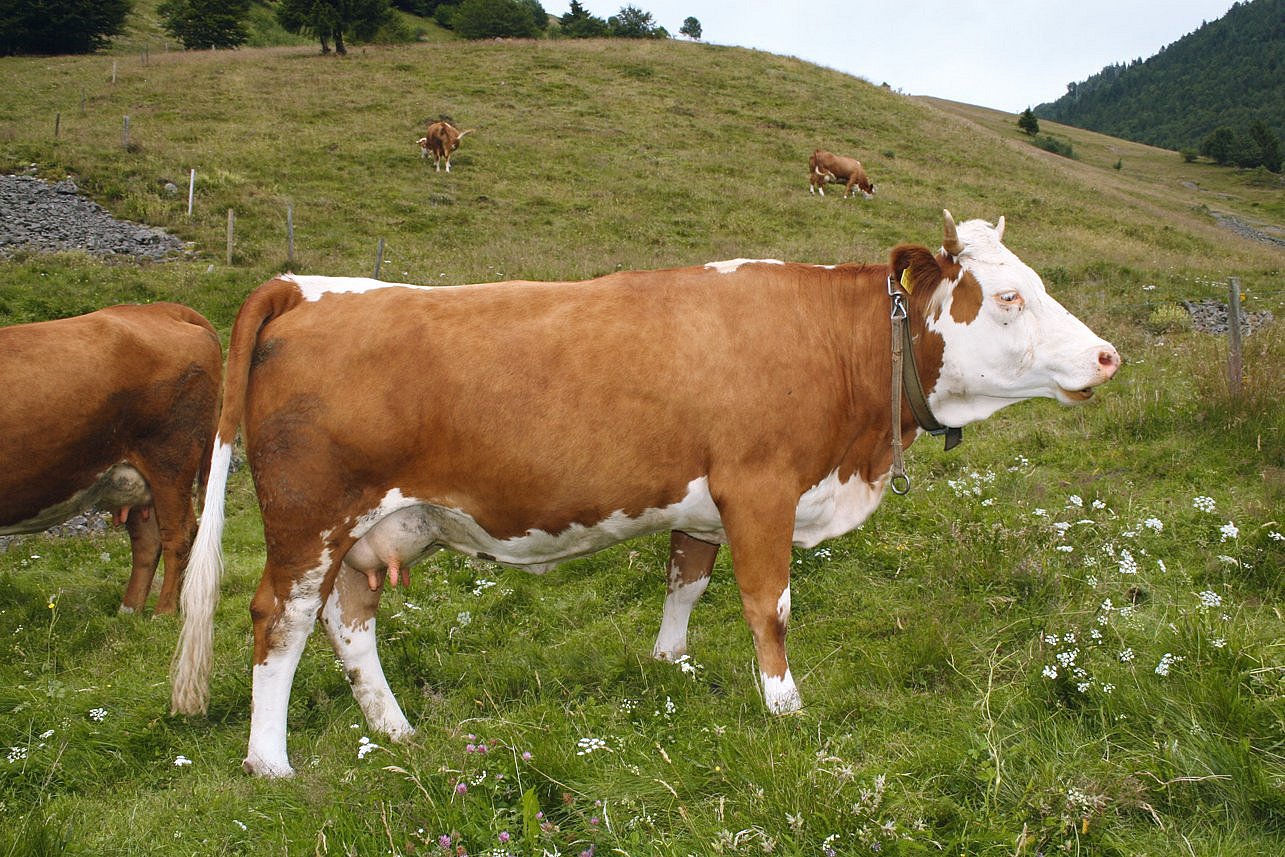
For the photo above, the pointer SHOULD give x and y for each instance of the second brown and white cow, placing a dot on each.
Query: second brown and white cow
(741, 403)
(441, 140)
(113, 410)
(825, 167)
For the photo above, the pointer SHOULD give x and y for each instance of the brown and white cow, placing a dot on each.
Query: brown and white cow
(826, 167)
(741, 403)
(440, 140)
(114, 410)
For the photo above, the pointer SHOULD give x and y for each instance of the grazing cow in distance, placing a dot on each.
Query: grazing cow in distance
(826, 167)
(114, 410)
(741, 403)
(440, 140)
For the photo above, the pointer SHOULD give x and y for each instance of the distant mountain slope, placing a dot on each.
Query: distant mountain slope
(1229, 72)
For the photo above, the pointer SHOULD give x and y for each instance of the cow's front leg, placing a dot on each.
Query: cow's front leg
(349, 620)
(760, 531)
(284, 610)
(691, 561)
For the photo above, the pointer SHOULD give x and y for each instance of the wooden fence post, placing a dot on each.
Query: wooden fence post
(1235, 361)
(231, 228)
(124, 135)
(191, 190)
(57, 124)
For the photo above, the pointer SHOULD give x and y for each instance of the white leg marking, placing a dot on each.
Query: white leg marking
(355, 646)
(783, 607)
(272, 679)
(781, 694)
(671, 642)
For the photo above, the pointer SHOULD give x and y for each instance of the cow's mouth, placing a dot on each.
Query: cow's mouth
(1077, 395)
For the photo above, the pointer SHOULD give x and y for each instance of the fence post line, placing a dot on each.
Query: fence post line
(113, 72)
(57, 124)
(1235, 360)
(231, 228)
(124, 135)
(379, 258)
(290, 236)
(191, 190)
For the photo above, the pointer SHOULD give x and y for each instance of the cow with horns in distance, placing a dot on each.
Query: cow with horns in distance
(113, 410)
(825, 167)
(744, 403)
(441, 140)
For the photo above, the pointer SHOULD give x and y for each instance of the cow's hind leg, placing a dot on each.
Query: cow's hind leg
(349, 620)
(691, 561)
(145, 550)
(284, 610)
(177, 523)
(760, 531)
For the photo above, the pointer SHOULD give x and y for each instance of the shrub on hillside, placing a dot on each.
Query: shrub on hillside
(59, 26)
(496, 19)
(205, 24)
(1055, 145)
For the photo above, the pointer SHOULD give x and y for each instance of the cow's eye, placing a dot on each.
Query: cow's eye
(1009, 298)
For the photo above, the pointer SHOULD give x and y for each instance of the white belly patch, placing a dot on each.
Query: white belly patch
(119, 486)
(403, 529)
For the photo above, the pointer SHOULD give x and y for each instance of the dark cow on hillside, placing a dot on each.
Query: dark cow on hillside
(741, 403)
(113, 410)
(440, 140)
(826, 167)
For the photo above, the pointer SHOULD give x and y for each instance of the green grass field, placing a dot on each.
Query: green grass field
(1066, 639)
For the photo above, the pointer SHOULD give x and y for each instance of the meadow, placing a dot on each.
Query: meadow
(1066, 639)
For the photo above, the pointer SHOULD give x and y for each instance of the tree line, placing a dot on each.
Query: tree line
(83, 26)
(1218, 91)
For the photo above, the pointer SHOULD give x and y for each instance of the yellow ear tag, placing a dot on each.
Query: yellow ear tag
(905, 281)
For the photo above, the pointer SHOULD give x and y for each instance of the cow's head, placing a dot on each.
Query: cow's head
(1002, 337)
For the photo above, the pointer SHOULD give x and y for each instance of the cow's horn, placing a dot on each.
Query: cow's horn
(999, 228)
(952, 244)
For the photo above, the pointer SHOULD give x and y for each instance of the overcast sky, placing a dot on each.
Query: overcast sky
(1005, 54)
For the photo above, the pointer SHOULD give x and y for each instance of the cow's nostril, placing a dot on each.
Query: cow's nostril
(1109, 359)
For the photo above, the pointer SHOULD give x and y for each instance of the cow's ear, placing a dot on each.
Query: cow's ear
(915, 268)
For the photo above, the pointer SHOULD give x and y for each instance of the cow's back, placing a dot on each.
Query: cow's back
(521, 400)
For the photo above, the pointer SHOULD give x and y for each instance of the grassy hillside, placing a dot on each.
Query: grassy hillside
(1132, 547)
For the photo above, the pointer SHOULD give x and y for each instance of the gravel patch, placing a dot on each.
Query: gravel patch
(1210, 316)
(51, 217)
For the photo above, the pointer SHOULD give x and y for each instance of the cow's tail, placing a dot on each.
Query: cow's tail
(190, 670)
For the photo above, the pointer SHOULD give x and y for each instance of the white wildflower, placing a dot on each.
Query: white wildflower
(1064, 548)
(1229, 531)
(1204, 504)
(97, 714)
(1167, 660)
(182, 761)
(1128, 565)
(1275, 536)
(1154, 524)
(1040, 513)
(1209, 598)
(688, 666)
(1219, 642)
(1050, 671)
(1126, 656)
(591, 745)
(365, 747)
(17, 754)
